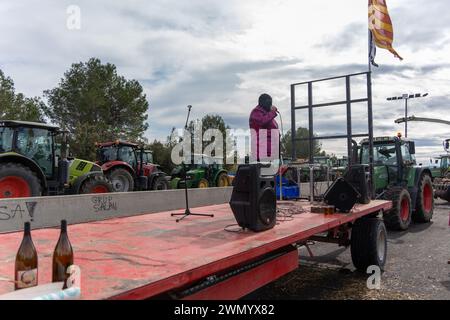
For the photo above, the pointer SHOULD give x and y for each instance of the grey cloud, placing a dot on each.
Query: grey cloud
(345, 39)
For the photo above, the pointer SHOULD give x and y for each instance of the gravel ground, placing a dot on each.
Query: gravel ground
(416, 268)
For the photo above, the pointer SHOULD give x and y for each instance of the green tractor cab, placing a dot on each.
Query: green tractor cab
(322, 168)
(440, 166)
(207, 174)
(397, 177)
(339, 168)
(33, 164)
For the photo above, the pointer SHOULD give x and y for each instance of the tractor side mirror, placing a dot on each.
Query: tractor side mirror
(412, 147)
(447, 145)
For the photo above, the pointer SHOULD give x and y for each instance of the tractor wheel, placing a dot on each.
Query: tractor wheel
(160, 184)
(222, 181)
(18, 181)
(96, 184)
(399, 217)
(121, 180)
(203, 183)
(368, 244)
(425, 201)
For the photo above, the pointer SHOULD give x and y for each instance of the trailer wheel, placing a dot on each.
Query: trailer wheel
(399, 217)
(425, 201)
(18, 181)
(368, 243)
(121, 180)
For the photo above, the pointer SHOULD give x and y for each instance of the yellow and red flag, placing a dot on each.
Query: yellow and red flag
(381, 29)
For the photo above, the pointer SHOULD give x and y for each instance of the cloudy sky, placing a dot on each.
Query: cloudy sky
(220, 55)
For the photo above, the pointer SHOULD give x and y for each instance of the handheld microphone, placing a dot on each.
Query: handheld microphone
(189, 107)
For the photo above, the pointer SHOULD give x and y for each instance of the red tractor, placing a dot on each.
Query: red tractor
(121, 162)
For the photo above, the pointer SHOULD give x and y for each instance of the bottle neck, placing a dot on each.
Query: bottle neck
(27, 229)
(64, 227)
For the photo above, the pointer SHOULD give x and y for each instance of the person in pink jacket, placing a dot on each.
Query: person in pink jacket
(265, 133)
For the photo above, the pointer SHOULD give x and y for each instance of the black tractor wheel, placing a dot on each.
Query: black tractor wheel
(160, 183)
(96, 184)
(368, 243)
(399, 217)
(18, 181)
(425, 200)
(121, 180)
(222, 181)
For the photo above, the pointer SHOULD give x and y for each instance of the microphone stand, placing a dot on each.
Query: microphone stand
(188, 212)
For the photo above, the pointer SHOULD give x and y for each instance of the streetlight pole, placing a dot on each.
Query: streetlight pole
(406, 117)
(406, 97)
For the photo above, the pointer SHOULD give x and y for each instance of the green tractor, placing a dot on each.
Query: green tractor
(207, 174)
(30, 165)
(322, 168)
(397, 177)
(440, 168)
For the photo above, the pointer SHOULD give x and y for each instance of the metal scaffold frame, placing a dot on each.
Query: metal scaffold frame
(349, 136)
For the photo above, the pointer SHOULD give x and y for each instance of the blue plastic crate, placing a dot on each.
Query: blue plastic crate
(289, 192)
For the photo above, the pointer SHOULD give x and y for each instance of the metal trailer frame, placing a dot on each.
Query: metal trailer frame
(348, 103)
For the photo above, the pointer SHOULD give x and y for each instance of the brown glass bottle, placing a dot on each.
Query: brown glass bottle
(62, 256)
(26, 266)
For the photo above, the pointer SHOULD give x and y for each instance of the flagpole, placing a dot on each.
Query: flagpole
(369, 53)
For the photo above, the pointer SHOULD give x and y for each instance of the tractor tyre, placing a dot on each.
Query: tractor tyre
(96, 184)
(160, 183)
(18, 181)
(222, 181)
(121, 180)
(399, 217)
(203, 183)
(425, 201)
(368, 243)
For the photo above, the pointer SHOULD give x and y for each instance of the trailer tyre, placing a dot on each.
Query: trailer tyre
(368, 243)
(399, 217)
(425, 201)
(18, 181)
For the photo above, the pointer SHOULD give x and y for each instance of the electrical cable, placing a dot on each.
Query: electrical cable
(227, 228)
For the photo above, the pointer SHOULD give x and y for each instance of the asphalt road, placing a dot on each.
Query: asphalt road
(416, 268)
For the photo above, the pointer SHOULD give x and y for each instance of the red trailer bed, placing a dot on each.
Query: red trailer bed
(145, 256)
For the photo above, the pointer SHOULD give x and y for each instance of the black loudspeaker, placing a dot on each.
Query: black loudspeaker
(342, 195)
(254, 201)
(358, 177)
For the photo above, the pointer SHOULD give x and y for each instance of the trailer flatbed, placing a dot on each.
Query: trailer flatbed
(146, 256)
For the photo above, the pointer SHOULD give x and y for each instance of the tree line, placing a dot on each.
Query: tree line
(96, 104)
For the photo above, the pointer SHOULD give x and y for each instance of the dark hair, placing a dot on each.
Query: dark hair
(265, 101)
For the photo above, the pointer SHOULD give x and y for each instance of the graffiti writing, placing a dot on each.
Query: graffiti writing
(17, 211)
(104, 203)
